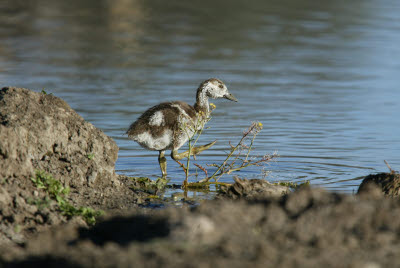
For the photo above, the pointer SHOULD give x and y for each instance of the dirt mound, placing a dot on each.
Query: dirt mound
(388, 183)
(308, 228)
(41, 132)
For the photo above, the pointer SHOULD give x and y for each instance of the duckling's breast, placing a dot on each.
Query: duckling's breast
(161, 142)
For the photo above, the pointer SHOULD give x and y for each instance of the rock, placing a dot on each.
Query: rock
(388, 183)
(41, 131)
(253, 189)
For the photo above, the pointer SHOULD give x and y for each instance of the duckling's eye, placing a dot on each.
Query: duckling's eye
(221, 86)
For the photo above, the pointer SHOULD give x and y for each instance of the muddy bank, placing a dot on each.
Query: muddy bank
(308, 228)
(251, 223)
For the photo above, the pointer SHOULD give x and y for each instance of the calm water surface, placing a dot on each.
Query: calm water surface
(323, 77)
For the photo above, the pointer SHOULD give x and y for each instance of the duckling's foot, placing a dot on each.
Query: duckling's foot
(199, 149)
(195, 150)
(163, 163)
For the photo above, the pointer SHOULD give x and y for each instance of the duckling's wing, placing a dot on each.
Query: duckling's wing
(150, 121)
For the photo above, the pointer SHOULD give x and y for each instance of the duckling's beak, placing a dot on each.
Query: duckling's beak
(229, 96)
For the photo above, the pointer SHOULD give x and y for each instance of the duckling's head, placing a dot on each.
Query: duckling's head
(215, 88)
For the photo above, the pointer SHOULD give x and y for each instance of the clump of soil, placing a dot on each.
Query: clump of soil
(388, 183)
(41, 132)
(253, 189)
(307, 228)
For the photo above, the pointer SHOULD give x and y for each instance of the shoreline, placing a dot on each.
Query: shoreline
(46, 219)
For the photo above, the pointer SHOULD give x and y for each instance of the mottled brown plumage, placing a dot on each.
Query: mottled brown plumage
(159, 128)
(170, 113)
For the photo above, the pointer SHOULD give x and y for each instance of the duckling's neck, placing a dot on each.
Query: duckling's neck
(201, 101)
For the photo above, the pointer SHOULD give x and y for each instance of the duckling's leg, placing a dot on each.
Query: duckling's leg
(163, 163)
(195, 150)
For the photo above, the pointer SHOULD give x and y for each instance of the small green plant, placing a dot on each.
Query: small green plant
(236, 159)
(40, 203)
(147, 185)
(293, 185)
(193, 130)
(53, 187)
(90, 156)
(88, 214)
(58, 192)
(45, 93)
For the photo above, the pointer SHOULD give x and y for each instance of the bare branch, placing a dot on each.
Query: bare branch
(202, 168)
(391, 170)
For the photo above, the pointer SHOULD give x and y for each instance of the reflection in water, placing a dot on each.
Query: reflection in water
(322, 77)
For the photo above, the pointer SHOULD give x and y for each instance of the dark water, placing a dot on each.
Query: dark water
(323, 77)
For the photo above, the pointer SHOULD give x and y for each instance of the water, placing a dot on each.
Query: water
(323, 78)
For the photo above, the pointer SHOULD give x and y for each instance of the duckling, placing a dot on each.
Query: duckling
(160, 127)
